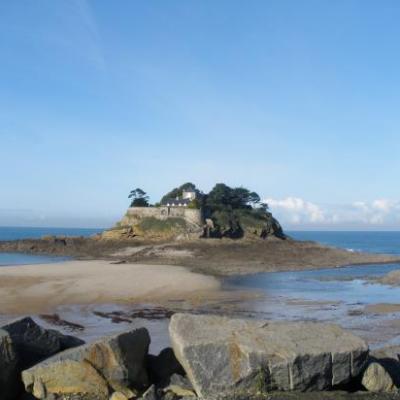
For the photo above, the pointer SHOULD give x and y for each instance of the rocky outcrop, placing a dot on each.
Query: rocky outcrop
(34, 343)
(222, 355)
(90, 371)
(212, 358)
(118, 396)
(180, 386)
(65, 377)
(150, 393)
(377, 379)
(272, 228)
(163, 366)
(383, 372)
(8, 367)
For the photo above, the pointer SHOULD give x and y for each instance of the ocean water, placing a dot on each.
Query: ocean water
(372, 242)
(352, 284)
(14, 233)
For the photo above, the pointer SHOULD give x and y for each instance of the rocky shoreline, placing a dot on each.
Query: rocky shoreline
(211, 358)
(219, 257)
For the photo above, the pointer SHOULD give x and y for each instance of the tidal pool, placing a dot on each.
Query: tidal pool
(26, 259)
(337, 295)
(351, 285)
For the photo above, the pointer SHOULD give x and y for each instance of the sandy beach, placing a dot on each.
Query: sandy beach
(39, 288)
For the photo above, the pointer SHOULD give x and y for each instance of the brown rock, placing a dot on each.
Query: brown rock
(116, 361)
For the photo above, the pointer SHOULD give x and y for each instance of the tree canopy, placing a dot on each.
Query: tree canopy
(225, 198)
(233, 209)
(177, 192)
(138, 198)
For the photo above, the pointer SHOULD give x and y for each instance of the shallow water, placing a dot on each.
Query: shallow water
(96, 326)
(17, 233)
(351, 285)
(336, 295)
(23, 259)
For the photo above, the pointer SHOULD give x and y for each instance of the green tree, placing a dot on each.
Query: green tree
(263, 206)
(225, 198)
(219, 199)
(177, 192)
(231, 209)
(138, 198)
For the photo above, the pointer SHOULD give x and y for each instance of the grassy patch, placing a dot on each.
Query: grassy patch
(154, 224)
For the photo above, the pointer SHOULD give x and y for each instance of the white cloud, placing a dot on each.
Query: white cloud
(297, 211)
(379, 211)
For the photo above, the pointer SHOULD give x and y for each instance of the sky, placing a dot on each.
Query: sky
(297, 100)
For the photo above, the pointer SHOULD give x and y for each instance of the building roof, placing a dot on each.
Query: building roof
(176, 202)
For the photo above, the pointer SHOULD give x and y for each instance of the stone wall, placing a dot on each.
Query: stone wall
(135, 214)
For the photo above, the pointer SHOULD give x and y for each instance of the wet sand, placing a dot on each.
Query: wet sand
(40, 288)
(382, 308)
(102, 298)
(392, 279)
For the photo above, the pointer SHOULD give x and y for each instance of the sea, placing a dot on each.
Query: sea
(15, 233)
(350, 284)
(339, 294)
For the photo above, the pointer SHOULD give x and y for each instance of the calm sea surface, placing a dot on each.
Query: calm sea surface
(373, 242)
(14, 233)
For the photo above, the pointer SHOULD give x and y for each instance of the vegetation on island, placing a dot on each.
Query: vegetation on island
(227, 211)
(154, 224)
(139, 198)
(178, 193)
(231, 211)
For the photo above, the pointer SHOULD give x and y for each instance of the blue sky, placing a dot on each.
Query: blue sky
(298, 100)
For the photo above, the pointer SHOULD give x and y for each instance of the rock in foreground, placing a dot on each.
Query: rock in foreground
(89, 371)
(377, 379)
(222, 355)
(383, 372)
(34, 343)
(8, 367)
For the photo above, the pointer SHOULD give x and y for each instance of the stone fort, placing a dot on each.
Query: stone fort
(135, 214)
(177, 207)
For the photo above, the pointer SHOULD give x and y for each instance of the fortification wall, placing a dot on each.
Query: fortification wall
(135, 214)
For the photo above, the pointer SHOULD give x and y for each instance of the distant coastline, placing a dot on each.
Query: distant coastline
(20, 232)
